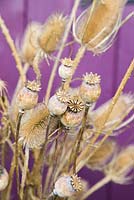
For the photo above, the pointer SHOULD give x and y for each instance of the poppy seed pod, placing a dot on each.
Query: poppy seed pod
(90, 89)
(66, 68)
(28, 96)
(67, 186)
(3, 178)
(57, 103)
(74, 114)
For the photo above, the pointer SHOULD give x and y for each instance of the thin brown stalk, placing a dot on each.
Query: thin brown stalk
(52, 76)
(113, 102)
(12, 47)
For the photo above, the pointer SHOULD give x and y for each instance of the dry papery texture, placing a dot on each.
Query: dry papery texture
(122, 108)
(97, 26)
(52, 32)
(120, 167)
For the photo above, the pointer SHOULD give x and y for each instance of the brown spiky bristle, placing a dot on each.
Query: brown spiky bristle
(62, 96)
(52, 33)
(76, 183)
(91, 78)
(29, 44)
(68, 62)
(33, 85)
(75, 104)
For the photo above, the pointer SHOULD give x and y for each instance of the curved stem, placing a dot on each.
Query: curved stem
(52, 76)
(97, 186)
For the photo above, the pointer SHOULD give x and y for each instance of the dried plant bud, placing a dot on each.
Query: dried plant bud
(29, 46)
(3, 87)
(66, 68)
(62, 96)
(67, 186)
(102, 155)
(120, 167)
(4, 178)
(97, 26)
(123, 106)
(57, 103)
(74, 114)
(33, 126)
(52, 33)
(90, 89)
(28, 96)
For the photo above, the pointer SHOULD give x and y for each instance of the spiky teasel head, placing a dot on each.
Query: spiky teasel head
(27, 97)
(3, 87)
(4, 178)
(98, 25)
(29, 44)
(33, 126)
(67, 185)
(121, 109)
(120, 167)
(90, 89)
(103, 155)
(52, 32)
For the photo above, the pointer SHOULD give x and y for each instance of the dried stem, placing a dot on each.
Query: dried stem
(96, 187)
(52, 76)
(113, 102)
(12, 47)
(24, 172)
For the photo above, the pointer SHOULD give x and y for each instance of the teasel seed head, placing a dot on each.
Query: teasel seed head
(4, 178)
(67, 186)
(28, 96)
(33, 126)
(29, 46)
(121, 165)
(66, 68)
(74, 114)
(52, 32)
(57, 103)
(102, 156)
(98, 25)
(90, 89)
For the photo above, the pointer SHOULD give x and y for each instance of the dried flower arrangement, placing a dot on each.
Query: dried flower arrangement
(64, 133)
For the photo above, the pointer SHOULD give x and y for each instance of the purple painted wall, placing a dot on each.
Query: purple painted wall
(111, 66)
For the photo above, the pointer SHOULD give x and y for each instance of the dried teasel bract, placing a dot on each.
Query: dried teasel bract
(27, 97)
(98, 25)
(67, 186)
(33, 126)
(4, 178)
(52, 32)
(121, 165)
(90, 89)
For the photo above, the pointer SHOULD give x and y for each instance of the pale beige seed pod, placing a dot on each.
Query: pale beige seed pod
(33, 126)
(57, 104)
(4, 178)
(120, 167)
(67, 186)
(90, 89)
(66, 68)
(52, 32)
(29, 44)
(122, 108)
(98, 25)
(102, 156)
(27, 97)
(74, 114)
